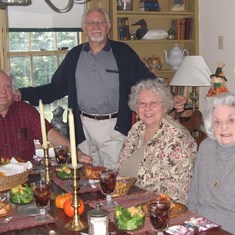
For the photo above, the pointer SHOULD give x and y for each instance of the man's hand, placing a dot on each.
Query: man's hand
(17, 95)
(82, 157)
(179, 101)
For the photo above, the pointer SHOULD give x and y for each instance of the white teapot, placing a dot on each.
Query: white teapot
(176, 56)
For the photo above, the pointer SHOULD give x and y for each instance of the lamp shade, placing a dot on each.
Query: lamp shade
(193, 71)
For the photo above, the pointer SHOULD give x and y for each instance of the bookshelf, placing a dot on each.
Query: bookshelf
(155, 19)
(162, 19)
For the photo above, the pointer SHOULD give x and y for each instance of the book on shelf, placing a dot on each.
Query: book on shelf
(123, 28)
(149, 5)
(182, 28)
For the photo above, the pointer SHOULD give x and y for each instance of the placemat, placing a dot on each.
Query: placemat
(136, 199)
(22, 222)
(67, 185)
(127, 200)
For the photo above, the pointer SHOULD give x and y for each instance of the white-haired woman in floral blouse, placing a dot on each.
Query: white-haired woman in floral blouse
(159, 151)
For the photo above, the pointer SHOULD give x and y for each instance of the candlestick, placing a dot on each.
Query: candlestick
(43, 125)
(76, 224)
(72, 138)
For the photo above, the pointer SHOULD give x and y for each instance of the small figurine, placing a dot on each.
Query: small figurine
(149, 34)
(217, 82)
(57, 121)
(153, 63)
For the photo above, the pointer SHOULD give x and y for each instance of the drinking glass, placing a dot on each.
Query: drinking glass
(61, 154)
(42, 195)
(159, 213)
(107, 179)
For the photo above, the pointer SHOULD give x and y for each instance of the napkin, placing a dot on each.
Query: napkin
(15, 167)
(40, 153)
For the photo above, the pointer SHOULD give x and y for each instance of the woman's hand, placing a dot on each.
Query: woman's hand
(179, 101)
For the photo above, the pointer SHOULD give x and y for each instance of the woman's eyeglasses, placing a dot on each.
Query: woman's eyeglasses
(152, 104)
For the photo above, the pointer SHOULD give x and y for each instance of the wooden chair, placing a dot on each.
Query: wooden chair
(195, 126)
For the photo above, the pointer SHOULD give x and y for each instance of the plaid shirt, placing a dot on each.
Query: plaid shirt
(18, 129)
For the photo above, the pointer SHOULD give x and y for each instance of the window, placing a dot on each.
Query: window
(35, 54)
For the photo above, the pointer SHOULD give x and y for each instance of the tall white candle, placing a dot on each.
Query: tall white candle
(72, 138)
(43, 125)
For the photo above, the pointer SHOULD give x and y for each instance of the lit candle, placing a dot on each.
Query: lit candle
(43, 125)
(72, 138)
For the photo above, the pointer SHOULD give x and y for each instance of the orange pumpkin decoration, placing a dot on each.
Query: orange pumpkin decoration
(61, 199)
(69, 210)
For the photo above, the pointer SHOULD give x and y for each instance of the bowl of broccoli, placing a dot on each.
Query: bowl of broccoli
(22, 194)
(129, 219)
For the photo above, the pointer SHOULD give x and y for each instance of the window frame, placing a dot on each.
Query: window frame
(34, 53)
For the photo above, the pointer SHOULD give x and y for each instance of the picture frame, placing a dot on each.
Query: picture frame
(178, 5)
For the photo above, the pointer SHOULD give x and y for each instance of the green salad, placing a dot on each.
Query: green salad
(131, 218)
(64, 172)
(21, 194)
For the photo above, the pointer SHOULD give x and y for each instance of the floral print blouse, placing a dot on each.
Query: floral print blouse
(168, 160)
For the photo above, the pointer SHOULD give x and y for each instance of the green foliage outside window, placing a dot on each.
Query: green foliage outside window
(35, 56)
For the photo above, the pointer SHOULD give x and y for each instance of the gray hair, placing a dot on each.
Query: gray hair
(2, 72)
(157, 87)
(227, 99)
(100, 10)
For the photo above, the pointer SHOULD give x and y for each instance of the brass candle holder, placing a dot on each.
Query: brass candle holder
(76, 224)
(47, 164)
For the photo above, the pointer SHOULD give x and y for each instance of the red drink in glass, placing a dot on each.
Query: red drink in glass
(61, 154)
(108, 181)
(160, 215)
(42, 193)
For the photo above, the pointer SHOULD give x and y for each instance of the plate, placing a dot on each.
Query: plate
(91, 172)
(177, 209)
(30, 210)
(12, 209)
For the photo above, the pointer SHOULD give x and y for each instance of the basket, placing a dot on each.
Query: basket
(11, 181)
(123, 186)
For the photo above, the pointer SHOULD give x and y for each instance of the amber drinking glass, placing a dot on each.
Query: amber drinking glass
(42, 195)
(107, 179)
(61, 154)
(159, 213)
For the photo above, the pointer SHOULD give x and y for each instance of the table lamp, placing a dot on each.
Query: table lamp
(193, 72)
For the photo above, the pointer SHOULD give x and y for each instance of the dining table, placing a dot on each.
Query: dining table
(57, 220)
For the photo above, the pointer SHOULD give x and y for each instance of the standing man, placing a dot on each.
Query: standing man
(97, 77)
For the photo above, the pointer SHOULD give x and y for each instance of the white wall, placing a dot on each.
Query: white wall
(40, 15)
(216, 19)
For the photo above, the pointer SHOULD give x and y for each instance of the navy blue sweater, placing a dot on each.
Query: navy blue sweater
(131, 70)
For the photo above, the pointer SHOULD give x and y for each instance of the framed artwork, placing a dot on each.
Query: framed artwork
(178, 5)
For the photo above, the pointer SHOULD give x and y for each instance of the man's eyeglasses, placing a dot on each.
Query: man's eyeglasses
(152, 104)
(93, 23)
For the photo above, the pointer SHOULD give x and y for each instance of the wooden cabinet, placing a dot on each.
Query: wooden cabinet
(157, 20)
